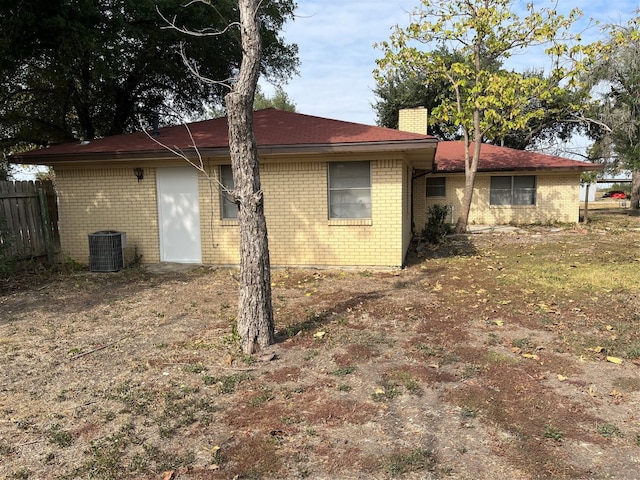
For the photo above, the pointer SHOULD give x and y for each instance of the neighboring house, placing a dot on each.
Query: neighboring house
(511, 187)
(336, 193)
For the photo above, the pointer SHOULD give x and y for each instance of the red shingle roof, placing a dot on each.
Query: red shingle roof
(450, 158)
(272, 128)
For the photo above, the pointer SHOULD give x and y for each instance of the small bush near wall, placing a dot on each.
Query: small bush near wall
(437, 227)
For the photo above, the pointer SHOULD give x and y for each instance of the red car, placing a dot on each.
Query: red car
(615, 195)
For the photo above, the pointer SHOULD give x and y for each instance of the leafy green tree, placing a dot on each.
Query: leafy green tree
(486, 103)
(279, 100)
(617, 76)
(410, 90)
(4, 167)
(559, 119)
(406, 88)
(90, 68)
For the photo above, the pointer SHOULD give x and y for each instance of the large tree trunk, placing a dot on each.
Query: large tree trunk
(635, 192)
(467, 198)
(470, 170)
(255, 312)
(585, 218)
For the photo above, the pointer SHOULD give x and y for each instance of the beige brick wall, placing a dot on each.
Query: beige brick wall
(414, 120)
(407, 232)
(96, 199)
(300, 233)
(299, 230)
(557, 200)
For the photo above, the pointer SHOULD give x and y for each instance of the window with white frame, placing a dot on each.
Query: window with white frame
(349, 190)
(436, 186)
(516, 190)
(228, 206)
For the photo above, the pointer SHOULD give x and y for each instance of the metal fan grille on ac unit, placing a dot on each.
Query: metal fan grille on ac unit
(106, 251)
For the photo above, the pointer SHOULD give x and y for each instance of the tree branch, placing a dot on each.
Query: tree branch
(195, 71)
(205, 32)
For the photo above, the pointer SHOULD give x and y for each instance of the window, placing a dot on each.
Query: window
(513, 190)
(229, 208)
(350, 190)
(436, 187)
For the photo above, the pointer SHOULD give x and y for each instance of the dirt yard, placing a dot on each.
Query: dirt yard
(492, 356)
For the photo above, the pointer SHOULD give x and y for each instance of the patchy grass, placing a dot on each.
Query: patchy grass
(488, 357)
(406, 461)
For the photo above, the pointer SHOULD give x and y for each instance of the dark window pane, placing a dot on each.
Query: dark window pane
(229, 208)
(436, 187)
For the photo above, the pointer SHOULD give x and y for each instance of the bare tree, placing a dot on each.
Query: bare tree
(255, 311)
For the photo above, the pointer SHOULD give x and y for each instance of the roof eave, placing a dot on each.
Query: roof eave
(164, 154)
(529, 169)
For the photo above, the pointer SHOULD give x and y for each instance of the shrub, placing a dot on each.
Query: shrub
(437, 227)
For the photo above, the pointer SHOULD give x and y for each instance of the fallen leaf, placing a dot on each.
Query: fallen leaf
(615, 360)
(320, 334)
(531, 355)
(562, 378)
(437, 287)
(499, 323)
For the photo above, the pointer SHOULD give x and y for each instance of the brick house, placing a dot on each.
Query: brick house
(511, 187)
(336, 193)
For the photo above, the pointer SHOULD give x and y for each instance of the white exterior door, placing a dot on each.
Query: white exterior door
(179, 215)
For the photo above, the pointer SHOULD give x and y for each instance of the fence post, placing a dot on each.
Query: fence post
(46, 224)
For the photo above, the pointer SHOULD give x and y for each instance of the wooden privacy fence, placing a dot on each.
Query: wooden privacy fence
(28, 220)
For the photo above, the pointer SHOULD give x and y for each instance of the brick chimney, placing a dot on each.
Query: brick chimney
(413, 120)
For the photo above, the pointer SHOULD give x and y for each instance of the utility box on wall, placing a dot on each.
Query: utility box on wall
(106, 251)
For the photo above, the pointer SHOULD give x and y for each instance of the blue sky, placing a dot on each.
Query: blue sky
(335, 40)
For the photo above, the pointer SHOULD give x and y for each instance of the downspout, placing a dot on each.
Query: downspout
(434, 169)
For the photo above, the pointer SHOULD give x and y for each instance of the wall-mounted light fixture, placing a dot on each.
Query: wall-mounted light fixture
(139, 173)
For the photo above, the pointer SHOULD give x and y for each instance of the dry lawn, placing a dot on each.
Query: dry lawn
(491, 356)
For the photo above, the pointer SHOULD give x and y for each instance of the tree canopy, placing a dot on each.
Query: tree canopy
(616, 79)
(280, 100)
(487, 103)
(407, 88)
(85, 69)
